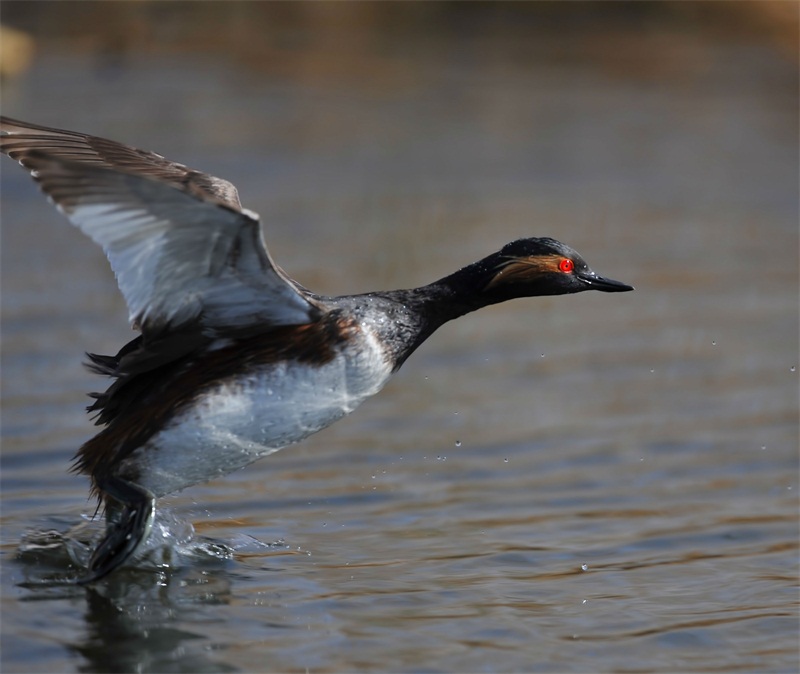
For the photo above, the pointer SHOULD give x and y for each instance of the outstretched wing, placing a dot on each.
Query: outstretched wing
(180, 245)
(91, 150)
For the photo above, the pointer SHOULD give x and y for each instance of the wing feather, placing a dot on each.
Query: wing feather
(180, 254)
(22, 137)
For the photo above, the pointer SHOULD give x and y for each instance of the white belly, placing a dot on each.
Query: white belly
(243, 419)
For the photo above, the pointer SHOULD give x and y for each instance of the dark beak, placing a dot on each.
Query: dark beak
(607, 285)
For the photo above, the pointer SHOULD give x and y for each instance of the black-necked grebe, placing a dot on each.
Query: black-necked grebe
(235, 360)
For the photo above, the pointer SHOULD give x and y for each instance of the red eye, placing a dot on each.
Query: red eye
(566, 265)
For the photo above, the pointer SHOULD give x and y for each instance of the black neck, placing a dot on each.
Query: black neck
(411, 316)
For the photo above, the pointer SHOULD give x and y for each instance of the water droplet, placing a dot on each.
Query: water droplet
(505, 460)
(458, 443)
(792, 369)
(542, 355)
(652, 369)
(584, 601)
(763, 447)
(584, 567)
(713, 342)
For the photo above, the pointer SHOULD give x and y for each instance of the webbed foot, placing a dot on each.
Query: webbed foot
(126, 531)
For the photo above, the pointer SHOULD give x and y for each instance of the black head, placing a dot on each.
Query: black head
(543, 266)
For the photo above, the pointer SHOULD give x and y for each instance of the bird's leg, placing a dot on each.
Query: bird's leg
(127, 527)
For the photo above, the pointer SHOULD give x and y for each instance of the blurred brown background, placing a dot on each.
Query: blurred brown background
(329, 39)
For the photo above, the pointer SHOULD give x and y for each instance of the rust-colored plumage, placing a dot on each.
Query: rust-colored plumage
(520, 269)
(138, 405)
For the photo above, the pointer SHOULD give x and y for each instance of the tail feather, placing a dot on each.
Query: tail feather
(105, 365)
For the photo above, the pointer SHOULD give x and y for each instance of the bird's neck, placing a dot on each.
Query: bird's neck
(404, 319)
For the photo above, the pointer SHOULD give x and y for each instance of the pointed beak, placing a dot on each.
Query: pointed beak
(607, 285)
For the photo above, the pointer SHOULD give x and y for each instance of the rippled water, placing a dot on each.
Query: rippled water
(588, 483)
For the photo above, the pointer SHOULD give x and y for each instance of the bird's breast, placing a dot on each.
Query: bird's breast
(255, 413)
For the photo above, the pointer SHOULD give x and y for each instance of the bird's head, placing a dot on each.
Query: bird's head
(542, 266)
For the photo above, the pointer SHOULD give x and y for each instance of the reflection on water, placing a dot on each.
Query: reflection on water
(563, 484)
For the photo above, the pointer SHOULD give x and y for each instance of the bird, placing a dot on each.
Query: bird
(233, 359)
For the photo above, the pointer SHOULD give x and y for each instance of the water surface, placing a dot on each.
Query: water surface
(588, 483)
